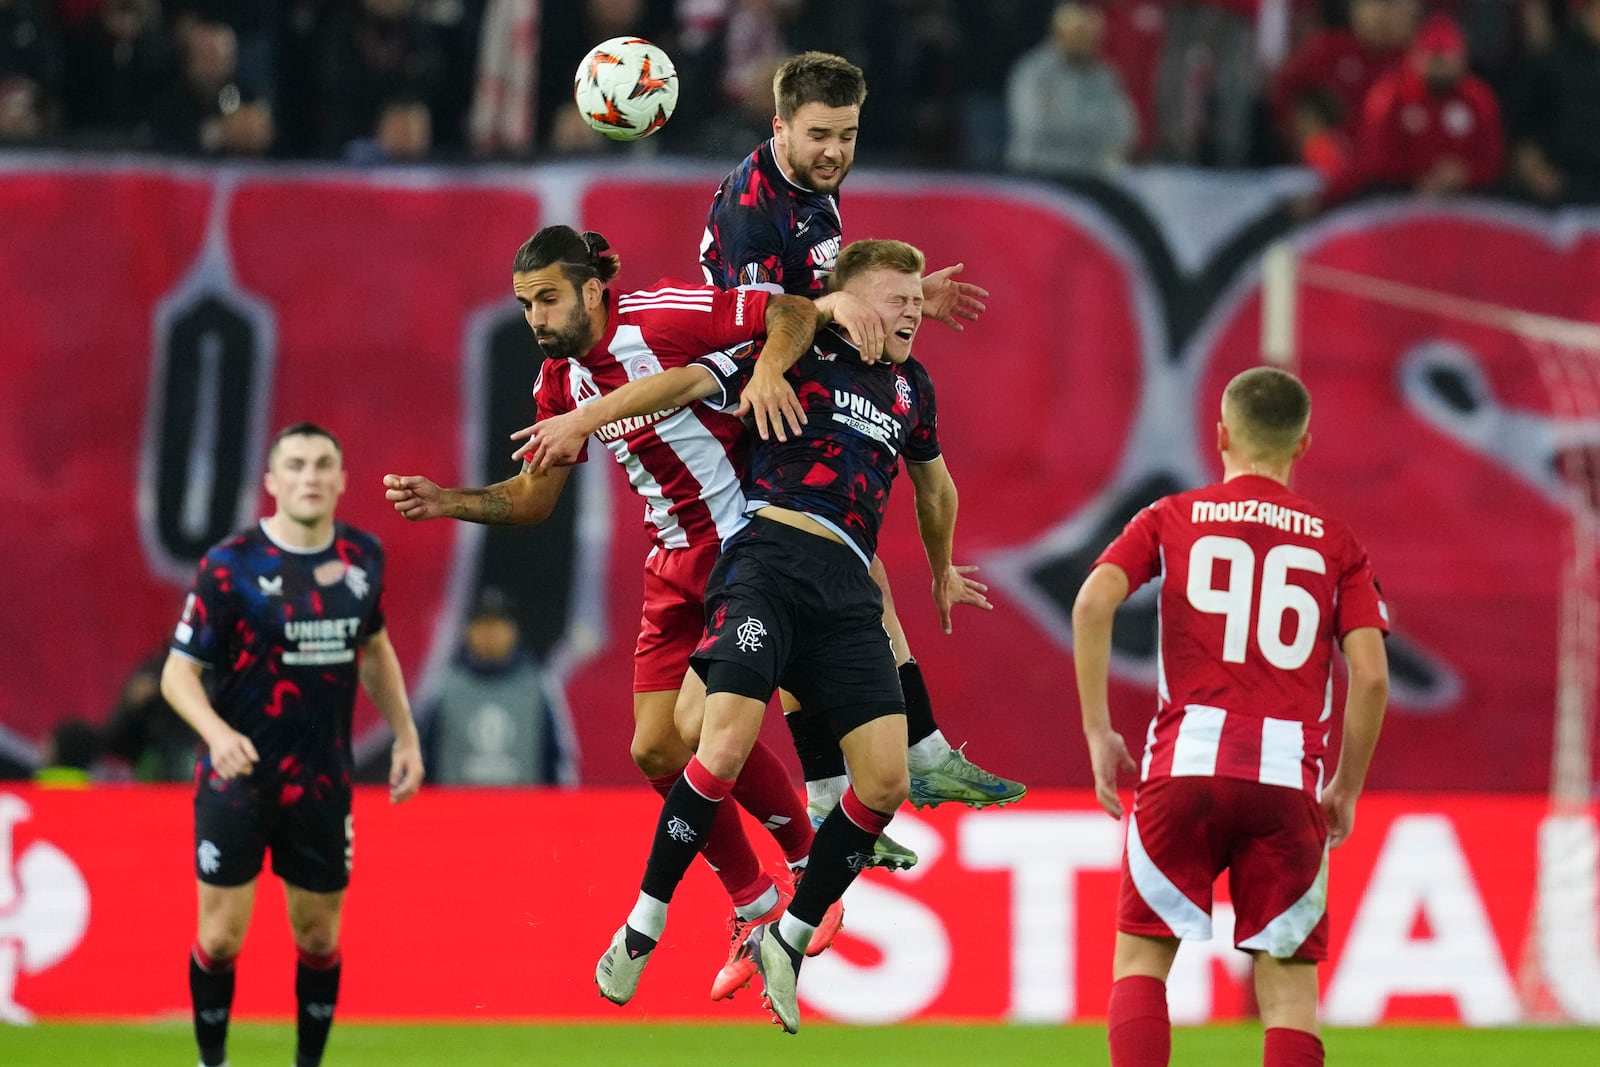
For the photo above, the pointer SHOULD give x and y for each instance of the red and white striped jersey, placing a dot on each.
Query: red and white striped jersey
(1258, 585)
(685, 462)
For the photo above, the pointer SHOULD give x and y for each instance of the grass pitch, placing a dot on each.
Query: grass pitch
(169, 1044)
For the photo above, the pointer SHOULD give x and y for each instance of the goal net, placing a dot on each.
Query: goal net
(1559, 973)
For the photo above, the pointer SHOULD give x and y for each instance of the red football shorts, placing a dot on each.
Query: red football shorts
(674, 614)
(1271, 840)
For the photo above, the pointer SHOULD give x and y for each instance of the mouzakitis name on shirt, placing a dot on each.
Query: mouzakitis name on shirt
(1261, 511)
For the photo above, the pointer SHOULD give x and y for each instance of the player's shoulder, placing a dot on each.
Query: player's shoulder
(917, 371)
(665, 302)
(235, 546)
(665, 289)
(830, 345)
(350, 538)
(748, 176)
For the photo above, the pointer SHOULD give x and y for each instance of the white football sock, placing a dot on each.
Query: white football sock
(824, 794)
(928, 753)
(649, 916)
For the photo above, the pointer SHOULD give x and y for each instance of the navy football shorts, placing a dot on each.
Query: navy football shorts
(310, 836)
(801, 612)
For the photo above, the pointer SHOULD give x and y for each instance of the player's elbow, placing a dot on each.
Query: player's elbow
(534, 511)
(530, 504)
(1369, 686)
(1098, 598)
(172, 680)
(1368, 667)
(1090, 612)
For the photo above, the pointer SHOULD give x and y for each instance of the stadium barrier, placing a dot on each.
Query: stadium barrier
(494, 905)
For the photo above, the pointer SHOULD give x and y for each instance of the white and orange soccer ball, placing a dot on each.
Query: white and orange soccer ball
(626, 88)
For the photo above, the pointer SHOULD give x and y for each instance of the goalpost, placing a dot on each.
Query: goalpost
(1559, 975)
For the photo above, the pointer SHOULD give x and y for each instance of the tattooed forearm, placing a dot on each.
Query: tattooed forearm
(491, 505)
(791, 321)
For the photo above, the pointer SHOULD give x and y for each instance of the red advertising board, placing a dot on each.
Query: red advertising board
(478, 905)
(1091, 383)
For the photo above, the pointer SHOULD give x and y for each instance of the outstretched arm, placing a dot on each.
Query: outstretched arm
(936, 523)
(1092, 612)
(948, 301)
(556, 440)
(1363, 718)
(526, 498)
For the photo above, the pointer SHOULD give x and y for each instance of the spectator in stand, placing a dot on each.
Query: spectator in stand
(910, 51)
(1066, 108)
(1134, 32)
(455, 27)
(30, 70)
(1428, 125)
(204, 111)
(303, 26)
(1317, 130)
(1329, 75)
(993, 35)
(725, 103)
(378, 52)
(403, 134)
(22, 111)
(1555, 116)
(498, 720)
(70, 753)
(254, 24)
(145, 734)
(115, 66)
(1207, 83)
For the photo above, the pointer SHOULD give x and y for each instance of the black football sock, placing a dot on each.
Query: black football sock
(316, 987)
(842, 850)
(211, 993)
(919, 709)
(816, 746)
(686, 818)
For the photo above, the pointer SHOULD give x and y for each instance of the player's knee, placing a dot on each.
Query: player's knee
(884, 790)
(724, 754)
(656, 757)
(320, 941)
(220, 946)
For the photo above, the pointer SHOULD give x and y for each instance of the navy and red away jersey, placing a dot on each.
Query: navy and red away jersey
(764, 230)
(860, 420)
(282, 630)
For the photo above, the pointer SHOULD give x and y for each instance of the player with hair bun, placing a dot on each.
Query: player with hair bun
(686, 463)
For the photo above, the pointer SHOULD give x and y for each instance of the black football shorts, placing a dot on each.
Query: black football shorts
(802, 612)
(311, 837)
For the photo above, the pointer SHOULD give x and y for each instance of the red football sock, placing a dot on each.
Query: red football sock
(1137, 1025)
(1291, 1048)
(765, 791)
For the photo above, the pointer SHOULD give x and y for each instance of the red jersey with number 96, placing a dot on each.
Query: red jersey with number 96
(1259, 585)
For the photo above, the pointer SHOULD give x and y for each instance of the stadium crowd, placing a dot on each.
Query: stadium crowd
(1435, 95)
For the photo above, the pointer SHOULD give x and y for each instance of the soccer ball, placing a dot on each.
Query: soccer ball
(626, 88)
